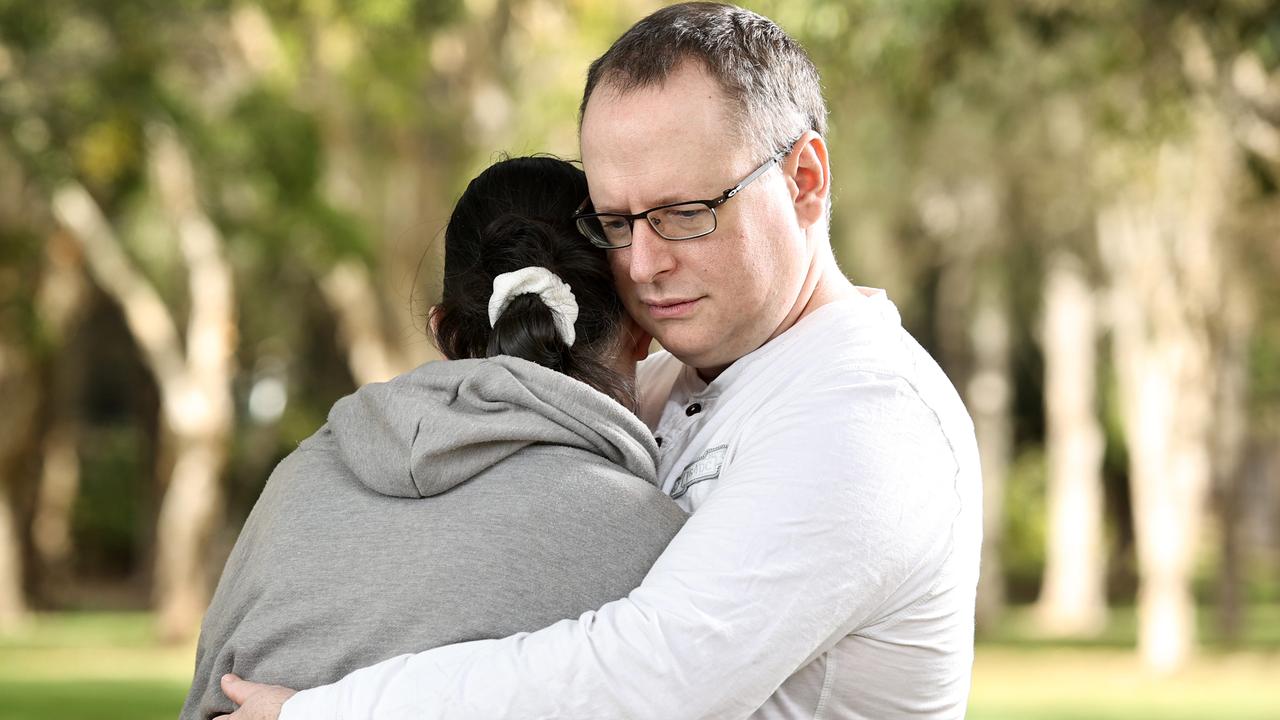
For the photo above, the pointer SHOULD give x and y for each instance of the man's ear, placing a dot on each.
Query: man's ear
(808, 171)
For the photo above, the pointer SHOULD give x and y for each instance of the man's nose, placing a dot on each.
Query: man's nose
(651, 253)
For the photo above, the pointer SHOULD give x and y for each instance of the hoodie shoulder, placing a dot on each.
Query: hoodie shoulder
(428, 430)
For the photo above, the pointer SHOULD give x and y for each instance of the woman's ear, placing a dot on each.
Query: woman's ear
(808, 171)
(636, 340)
(433, 323)
(633, 346)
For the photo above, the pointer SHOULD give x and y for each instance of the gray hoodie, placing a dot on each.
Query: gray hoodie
(463, 500)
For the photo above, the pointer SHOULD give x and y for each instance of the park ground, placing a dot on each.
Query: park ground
(106, 666)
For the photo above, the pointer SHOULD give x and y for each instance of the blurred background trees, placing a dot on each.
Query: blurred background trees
(217, 217)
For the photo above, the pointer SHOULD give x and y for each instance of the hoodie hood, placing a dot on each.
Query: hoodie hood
(439, 425)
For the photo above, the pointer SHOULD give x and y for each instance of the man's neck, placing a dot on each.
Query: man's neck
(824, 284)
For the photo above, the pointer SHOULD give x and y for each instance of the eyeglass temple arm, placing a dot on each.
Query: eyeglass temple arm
(777, 158)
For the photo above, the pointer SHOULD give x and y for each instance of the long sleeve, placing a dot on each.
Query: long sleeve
(834, 511)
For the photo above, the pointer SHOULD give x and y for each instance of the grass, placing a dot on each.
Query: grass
(106, 666)
(80, 699)
(92, 666)
(1020, 674)
(1105, 684)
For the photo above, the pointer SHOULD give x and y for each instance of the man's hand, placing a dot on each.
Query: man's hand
(256, 701)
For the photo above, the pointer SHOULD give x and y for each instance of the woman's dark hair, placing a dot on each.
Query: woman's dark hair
(516, 214)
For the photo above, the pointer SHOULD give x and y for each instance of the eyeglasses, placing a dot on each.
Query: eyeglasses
(675, 221)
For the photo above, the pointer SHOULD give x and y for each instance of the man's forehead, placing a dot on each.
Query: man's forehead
(656, 142)
(619, 179)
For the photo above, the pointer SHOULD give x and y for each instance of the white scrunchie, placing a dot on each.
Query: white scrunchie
(546, 285)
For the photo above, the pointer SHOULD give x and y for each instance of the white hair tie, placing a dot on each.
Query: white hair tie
(546, 285)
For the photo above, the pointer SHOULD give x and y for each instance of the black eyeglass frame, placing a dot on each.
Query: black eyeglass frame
(580, 217)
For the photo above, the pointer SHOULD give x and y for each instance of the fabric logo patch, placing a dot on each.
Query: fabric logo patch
(706, 467)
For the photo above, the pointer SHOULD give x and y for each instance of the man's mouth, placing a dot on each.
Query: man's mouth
(668, 309)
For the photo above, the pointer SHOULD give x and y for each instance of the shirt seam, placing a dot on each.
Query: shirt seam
(897, 617)
(828, 677)
(894, 618)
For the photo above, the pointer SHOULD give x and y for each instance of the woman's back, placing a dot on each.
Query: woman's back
(464, 500)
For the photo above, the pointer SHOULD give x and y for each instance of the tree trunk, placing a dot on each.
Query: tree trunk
(1161, 245)
(13, 603)
(51, 527)
(371, 356)
(1230, 439)
(413, 209)
(189, 516)
(989, 395)
(378, 344)
(972, 325)
(198, 406)
(1073, 595)
(194, 383)
(60, 304)
(19, 409)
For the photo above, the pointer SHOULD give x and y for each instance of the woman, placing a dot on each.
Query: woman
(465, 499)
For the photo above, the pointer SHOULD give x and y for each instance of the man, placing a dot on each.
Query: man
(830, 564)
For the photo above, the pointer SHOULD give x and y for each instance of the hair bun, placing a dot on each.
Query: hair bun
(554, 292)
(511, 242)
(515, 215)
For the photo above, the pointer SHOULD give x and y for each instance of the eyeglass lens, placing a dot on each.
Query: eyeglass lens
(678, 222)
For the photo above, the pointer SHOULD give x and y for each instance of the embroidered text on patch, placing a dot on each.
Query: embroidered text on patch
(706, 467)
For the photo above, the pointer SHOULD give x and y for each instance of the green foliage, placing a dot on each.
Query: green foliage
(1022, 551)
(1264, 366)
(25, 25)
(280, 141)
(111, 508)
(19, 255)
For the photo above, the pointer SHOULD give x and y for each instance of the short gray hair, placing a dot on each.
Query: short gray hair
(766, 76)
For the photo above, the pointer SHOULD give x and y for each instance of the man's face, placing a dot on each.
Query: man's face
(713, 299)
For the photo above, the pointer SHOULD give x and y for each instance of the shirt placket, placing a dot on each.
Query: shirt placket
(680, 422)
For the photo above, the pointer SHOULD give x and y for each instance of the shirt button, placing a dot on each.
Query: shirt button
(693, 409)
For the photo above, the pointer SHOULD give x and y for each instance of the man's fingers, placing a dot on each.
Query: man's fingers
(237, 688)
(257, 701)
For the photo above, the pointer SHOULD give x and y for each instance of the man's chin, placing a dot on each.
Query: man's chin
(707, 361)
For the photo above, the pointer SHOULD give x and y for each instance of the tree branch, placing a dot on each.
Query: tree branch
(145, 313)
(211, 329)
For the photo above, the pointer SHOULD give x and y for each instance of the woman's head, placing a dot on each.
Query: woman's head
(512, 216)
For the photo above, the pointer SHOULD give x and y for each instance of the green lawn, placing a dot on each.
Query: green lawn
(100, 666)
(82, 699)
(92, 666)
(1106, 684)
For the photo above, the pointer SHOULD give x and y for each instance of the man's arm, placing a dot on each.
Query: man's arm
(821, 524)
